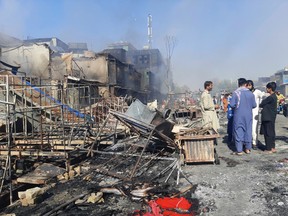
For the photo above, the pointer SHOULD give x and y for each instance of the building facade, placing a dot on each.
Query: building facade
(281, 79)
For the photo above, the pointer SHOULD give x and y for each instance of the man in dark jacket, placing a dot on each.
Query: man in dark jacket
(268, 117)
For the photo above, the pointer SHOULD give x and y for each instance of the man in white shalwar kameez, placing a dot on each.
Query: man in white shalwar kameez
(258, 98)
(208, 108)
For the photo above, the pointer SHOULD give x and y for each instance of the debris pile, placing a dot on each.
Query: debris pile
(113, 151)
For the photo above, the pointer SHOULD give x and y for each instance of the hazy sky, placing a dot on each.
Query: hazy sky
(224, 39)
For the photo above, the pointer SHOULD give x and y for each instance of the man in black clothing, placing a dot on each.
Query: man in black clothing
(268, 117)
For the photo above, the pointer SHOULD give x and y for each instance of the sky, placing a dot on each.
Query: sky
(215, 39)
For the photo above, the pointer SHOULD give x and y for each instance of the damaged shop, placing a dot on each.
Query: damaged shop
(70, 143)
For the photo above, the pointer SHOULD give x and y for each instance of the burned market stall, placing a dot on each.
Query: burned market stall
(139, 167)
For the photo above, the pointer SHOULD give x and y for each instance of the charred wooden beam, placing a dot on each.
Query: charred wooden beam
(90, 152)
(33, 152)
(134, 155)
(107, 172)
(64, 204)
(139, 159)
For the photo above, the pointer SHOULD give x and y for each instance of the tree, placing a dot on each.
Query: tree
(170, 43)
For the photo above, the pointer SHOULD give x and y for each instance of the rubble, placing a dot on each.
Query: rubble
(109, 158)
(131, 165)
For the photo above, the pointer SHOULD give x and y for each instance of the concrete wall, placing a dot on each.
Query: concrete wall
(33, 60)
(106, 70)
(133, 80)
(93, 68)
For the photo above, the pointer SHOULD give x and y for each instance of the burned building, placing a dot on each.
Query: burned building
(54, 43)
(38, 57)
(118, 53)
(78, 49)
(113, 76)
(148, 62)
(281, 78)
(120, 70)
(122, 45)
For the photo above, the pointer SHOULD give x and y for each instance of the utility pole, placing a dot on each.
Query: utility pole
(149, 31)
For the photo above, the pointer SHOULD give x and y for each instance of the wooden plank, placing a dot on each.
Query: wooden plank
(32, 148)
(198, 137)
(42, 174)
(33, 179)
(51, 142)
(34, 153)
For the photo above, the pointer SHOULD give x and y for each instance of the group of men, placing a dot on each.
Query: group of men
(245, 103)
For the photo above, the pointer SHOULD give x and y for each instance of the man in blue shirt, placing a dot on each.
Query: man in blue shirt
(242, 102)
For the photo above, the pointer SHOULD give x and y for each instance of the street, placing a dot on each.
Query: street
(252, 184)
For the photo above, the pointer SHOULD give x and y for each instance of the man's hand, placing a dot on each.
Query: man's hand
(217, 106)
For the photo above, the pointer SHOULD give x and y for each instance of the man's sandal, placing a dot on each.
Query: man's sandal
(268, 152)
(237, 153)
(247, 151)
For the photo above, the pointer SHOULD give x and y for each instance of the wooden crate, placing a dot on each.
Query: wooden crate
(198, 148)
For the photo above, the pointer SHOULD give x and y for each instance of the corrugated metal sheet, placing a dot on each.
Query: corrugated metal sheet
(199, 150)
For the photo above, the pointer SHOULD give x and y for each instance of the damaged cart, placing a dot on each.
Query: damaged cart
(198, 145)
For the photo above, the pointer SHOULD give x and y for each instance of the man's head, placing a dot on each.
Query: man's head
(242, 82)
(250, 85)
(208, 85)
(270, 87)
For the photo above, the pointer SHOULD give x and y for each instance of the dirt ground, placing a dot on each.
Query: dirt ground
(254, 184)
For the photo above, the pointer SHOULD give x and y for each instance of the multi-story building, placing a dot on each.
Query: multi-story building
(119, 70)
(148, 62)
(281, 78)
(78, 49)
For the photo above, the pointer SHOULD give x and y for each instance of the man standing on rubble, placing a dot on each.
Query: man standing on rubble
(208, 108)
(242, 102)
(255, 119)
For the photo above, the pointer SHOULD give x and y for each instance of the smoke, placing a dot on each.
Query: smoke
(8, 41)
(220, 41)
(215, 39)
(100, 24)
(14, 17)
